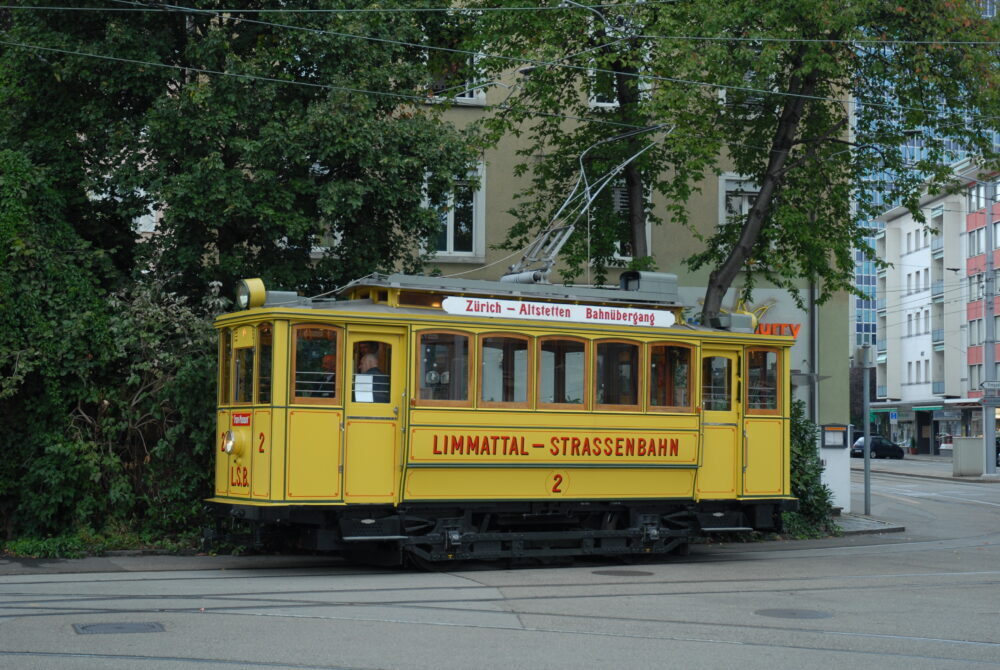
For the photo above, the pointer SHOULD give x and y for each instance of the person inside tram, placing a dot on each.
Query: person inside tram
(378, 380)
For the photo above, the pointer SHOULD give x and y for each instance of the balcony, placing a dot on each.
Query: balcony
(937, 246)
(880, 304)
(937, 388)
(881, 346)
(937, 289)
(937, 335)
(881, 391)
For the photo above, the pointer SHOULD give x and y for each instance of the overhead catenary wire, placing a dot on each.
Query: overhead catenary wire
(546, 63)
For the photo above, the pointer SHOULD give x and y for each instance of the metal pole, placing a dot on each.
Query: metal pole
(865, 356)
(989, 346)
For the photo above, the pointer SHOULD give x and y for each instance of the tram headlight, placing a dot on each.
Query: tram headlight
(250, 293)
(230, 442)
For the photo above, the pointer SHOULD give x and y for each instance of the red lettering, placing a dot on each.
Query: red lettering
(641, 446)
(575, 447)
(261, 447)
(674, 447)
(796, 327)
(585, 451)
(629, 446)
(472, 441)
(618, 446)
(554, 449)
(434, 446)
(557, 483)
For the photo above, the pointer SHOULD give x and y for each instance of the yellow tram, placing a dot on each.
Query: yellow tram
(441, 419)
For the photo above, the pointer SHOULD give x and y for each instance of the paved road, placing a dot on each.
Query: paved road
(924, 598)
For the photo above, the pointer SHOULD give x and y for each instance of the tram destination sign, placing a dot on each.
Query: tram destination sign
(560, 312)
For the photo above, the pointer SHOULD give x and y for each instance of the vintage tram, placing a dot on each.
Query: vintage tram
(439, 419)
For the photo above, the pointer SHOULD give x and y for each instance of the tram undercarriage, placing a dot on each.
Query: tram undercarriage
(423, 534)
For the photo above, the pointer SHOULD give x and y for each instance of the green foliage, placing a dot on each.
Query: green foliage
(252, 174)
(86, 543)
(815, 500)
(767, 92)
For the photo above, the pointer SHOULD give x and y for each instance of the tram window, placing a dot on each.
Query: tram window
(265, 339)
(504, 375)
(762, 381)
(225, 366)
(670, 377)
(618, 375)
(372, 373)
(316, 362)
(444, 368)
(716, 391)
(561, 369)
(244, 375)
(418, 299)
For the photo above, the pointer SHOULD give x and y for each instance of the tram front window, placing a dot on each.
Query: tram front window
(716, 391)
(244, 375)
(264, 366)
(762, 386)
(315, 363)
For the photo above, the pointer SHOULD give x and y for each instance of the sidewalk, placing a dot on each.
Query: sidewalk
(917, 465)
(920, 465)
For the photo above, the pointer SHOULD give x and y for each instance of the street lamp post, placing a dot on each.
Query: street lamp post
(989, 399)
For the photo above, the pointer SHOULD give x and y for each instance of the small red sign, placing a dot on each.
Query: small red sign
(241, 419)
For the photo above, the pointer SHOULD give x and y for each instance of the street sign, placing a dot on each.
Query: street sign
(893, 418)
(990, 386)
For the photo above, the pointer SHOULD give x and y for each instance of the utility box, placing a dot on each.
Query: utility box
(967, 459)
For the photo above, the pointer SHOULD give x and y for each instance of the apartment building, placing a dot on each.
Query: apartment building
(930, 307)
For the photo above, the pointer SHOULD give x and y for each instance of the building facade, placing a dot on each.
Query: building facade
(931, 306)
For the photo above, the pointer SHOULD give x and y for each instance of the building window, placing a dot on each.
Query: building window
(463, 221)
(909, 372)
(619, 204)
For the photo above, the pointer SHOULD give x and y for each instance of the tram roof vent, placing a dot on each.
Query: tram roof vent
(663, 283)
(286, 299)
(737, 323)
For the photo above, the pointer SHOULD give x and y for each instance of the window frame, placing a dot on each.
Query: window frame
(579, 407)
(470, 368)
(337, 397)
(447, 217)
(259, 367)
(527, 403)
(639, 382)
(778, 397)
(225, 379)
(692, 380)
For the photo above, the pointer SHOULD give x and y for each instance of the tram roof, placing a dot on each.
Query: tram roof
(636, 288)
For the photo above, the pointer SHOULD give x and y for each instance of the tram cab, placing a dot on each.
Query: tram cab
(442, 419)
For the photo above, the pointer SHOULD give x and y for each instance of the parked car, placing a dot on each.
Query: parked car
(881, 448)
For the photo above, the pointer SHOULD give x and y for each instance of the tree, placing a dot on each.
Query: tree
(768, 91)
(294, 146)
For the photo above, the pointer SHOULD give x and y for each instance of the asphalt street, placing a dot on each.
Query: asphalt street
(924, 596)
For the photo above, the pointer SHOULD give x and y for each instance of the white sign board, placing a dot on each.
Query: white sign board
(893, 418)
(548, 311)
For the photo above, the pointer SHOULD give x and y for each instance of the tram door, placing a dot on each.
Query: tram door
(374, 404)
(722, 435)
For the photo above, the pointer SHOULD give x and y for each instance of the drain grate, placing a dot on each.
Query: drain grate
(111, 628)
(794, 614)
(623, 573)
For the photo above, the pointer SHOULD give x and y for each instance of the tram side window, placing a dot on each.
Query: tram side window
(243, 373)
(716, 390)
(670, 377)
(561, 370)
(444, 368)
(265, 336)
(504, 375)
(372, 380)
(762, 381)
(618, 374)
(225, 362)
(316, 361)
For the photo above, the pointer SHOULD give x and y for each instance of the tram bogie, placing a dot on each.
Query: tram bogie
(426, 419)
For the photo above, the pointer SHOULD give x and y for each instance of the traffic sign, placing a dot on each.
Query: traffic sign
(893, 418)
(990, 386)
